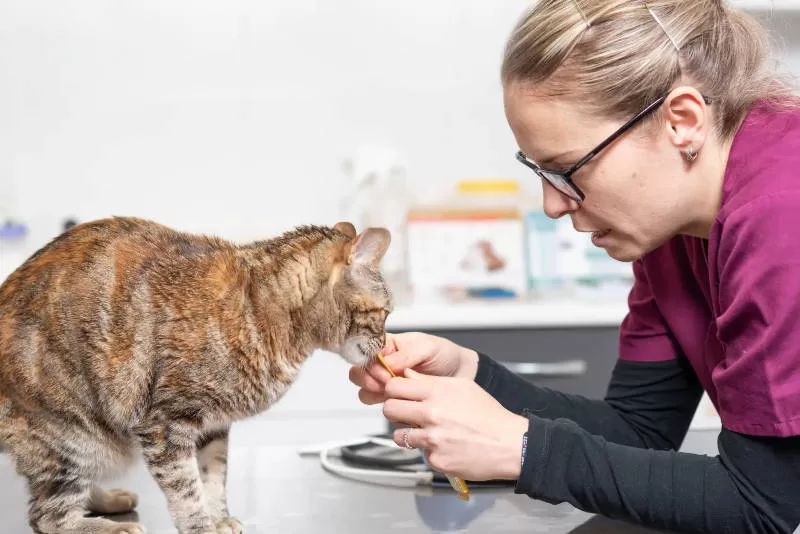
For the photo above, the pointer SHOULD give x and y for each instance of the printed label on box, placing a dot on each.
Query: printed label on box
(463, 252)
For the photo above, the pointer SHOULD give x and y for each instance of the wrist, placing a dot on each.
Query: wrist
(468, 366)
(513, 448)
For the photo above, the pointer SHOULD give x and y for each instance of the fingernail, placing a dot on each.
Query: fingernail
(410, 373)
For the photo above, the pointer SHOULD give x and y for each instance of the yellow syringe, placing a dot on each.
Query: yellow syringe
(458, 483)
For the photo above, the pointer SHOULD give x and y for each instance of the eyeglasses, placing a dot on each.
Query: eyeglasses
(562, 181)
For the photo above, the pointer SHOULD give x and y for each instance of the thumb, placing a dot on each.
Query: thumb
(390, 346)
(410, 373)
(400, 359)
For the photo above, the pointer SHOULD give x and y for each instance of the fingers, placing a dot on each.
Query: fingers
(411, 438)
(414, 389)
(398, 361)
(379, 373)
(375, 375)
(369, 398)
(372, 391)
(404, 412)
(373, 378)
(362, 378)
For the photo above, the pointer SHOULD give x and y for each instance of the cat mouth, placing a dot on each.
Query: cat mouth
(367, 352)
(370, 351)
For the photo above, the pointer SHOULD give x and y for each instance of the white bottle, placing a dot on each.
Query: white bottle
(379, 196)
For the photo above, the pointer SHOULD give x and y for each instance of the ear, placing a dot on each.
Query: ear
(346, 228)
(369, 247)
(688, 118)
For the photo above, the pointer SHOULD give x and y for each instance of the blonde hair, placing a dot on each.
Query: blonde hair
(618, 56)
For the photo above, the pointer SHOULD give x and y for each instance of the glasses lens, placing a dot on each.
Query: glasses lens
(556, 180)
(560, 183)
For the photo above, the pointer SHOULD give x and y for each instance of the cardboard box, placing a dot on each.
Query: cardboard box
(466, 252)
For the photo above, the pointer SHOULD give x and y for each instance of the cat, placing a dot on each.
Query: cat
(122, 337)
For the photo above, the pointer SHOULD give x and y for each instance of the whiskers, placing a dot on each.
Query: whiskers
(370, 351)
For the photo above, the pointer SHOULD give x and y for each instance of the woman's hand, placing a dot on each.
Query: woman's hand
(425, 353)
(464, 430)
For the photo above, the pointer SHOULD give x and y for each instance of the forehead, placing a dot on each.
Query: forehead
(369, 283)
(545, 126)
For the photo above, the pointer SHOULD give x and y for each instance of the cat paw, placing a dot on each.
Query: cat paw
(115, 501)
(126, 528)
(230, 525)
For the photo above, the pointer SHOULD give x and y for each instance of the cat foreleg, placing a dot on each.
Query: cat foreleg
(212, 458)
(170, 453)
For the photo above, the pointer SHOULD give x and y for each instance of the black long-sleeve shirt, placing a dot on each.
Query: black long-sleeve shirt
(617, 457)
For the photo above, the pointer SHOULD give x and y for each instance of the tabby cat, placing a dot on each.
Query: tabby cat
(123, 337)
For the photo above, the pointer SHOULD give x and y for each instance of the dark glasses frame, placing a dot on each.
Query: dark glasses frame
(562, 180)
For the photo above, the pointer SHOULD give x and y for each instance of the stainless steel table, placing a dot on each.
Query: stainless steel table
(274, 490)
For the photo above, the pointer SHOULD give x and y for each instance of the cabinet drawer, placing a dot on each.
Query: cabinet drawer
(576, 360)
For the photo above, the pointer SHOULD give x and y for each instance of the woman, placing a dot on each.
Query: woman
(657, 127)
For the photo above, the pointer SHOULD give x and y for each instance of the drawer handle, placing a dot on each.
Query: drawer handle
(567, 368)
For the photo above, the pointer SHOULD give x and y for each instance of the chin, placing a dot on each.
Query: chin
(623, 248)
(625, 256)
(360, 350)
(626, 252)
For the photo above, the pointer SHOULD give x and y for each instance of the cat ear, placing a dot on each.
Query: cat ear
(369, 247)
(346, 228)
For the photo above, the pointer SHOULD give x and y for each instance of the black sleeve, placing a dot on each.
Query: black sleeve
(648, 404)
(751, 487)
(593, 454)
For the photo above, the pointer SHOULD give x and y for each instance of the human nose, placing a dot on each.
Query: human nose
(556, 203)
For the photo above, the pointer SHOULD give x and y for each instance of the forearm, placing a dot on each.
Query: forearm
(663, 489)
(648, 405)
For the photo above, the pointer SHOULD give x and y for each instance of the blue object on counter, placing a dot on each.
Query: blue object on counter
(444, 512)
(492, 293)
(12, 230)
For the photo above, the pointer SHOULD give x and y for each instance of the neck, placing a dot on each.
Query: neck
(285, 277)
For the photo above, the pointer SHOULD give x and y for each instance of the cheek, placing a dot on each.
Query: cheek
(617, 191)
(633, 190)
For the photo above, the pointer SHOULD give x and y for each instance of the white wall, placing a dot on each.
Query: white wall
(233, 116)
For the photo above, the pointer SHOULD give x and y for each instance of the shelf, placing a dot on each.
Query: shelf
(500, 315)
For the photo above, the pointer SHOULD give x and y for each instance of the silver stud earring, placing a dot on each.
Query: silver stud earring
(691, 155)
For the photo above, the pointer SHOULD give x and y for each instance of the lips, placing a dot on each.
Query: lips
(600, 234)
(600, 238)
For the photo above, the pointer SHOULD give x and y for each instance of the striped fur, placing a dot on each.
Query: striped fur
(123, 337)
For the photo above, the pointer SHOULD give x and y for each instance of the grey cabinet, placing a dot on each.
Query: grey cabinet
(571, 359)
(575, 359)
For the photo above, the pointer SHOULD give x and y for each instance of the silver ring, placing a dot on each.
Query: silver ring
(405, 439)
